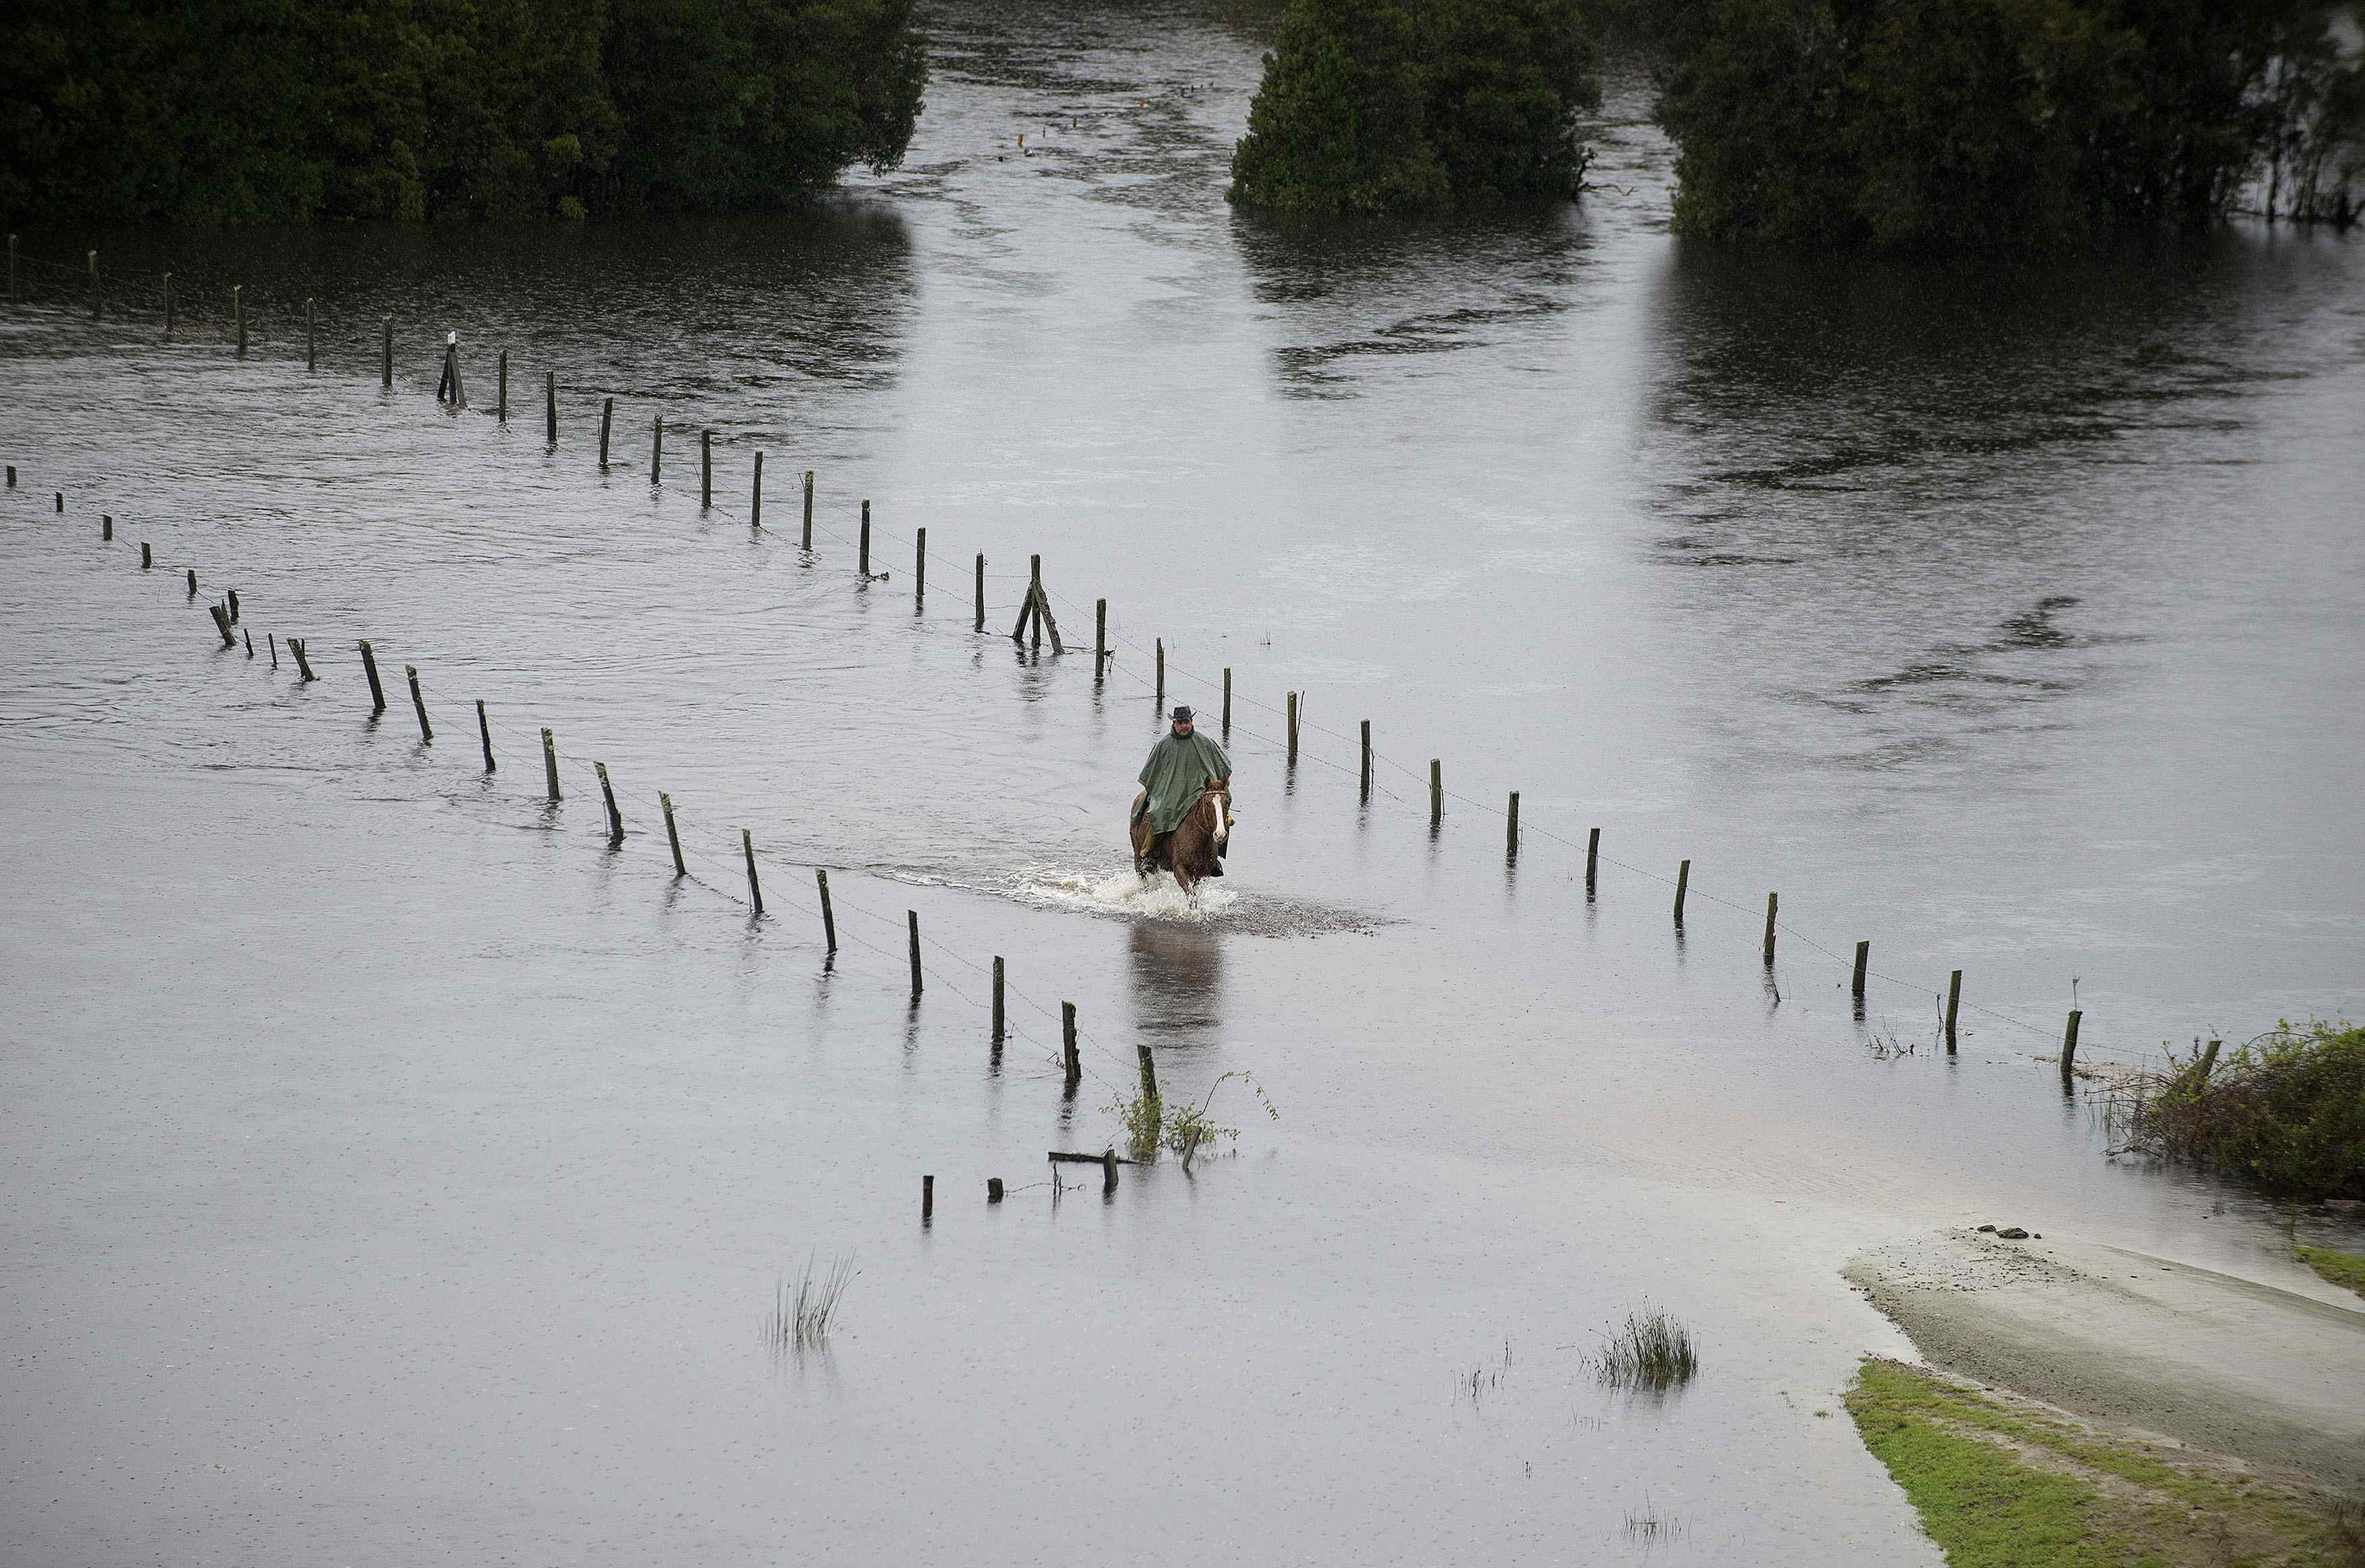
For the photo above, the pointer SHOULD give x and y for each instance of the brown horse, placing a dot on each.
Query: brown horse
(1191, 851)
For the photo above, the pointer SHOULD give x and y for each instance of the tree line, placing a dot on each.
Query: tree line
(1953, 125)
(249, 111)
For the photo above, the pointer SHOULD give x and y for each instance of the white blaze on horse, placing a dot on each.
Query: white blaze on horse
(1193, 849)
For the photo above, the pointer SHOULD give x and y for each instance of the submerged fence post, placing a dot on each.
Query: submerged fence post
(828, 917)
(673, 836)
(607, 420)
(501, 396)
(1074, 1064)
(1953, 1003)
(920, 570)
(147, 555)
(863, 564)
(94, 286)
(484, 734)
(1363, 774)
(192, 571)
(1099, 638)
(1436, 794)
(236, 317)
(657, 452)
(2069, 1051)
(755, 887)
(1683, 884)
(221, 625)
(807, 543)
(168, 307)
(997, 1000)
(426, 730)
(1289, 728)
(312, 336)
(615, 817)
(273, 639)
(304, 674)
(2208, 1061)
(1149, 1074)
(385, 352)
(1863, 962)
(705, 470)
(912, 915)
(755, 496)
(233, 605)
(981, 593)
(550, 407)
(1592, 858)
(1161, 699)
(369, 667)
(106, 528)
(927, 1198)
(12, 269)
(550, 764)
(1773, 903)
(1511, 830)
(1228, 699)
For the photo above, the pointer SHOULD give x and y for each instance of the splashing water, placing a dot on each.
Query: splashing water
(1127, 894)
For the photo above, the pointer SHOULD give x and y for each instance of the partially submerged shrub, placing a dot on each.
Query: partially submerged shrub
(1184, 1129)
(801, 1322)
(2285, 1113)
(1650, 1350)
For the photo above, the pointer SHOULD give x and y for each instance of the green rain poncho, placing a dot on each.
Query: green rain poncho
(1178, 769)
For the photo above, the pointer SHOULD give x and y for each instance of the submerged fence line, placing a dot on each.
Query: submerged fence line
(807, 524)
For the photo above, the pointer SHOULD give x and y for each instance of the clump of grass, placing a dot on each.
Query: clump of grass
(801, 1322)
(2344, 1268)
(2285, 1113)
(1651, 1350)
(1184, 1129)
(1651, 1526)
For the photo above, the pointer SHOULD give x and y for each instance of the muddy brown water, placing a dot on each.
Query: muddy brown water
(393, 1171)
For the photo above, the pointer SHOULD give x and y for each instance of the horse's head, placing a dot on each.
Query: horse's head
(1219, 796)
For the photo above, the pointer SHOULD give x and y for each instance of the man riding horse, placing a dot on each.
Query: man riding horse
(1180, 821)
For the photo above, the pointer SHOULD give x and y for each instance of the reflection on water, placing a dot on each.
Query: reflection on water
(1178, 981)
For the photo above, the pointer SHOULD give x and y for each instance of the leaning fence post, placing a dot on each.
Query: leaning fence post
(484, 734)
(607, 420)
(807, 543)
(1954, 1001)
(1863, 962)
(369, 667)
(828, 916)
(272, 638)
(755, 887)
(705, 470)
(615, 817)
(304, 674)
(550, 764)
(221, 625)
(2069, 1050)
(673, 836)
(426, 730)
(1683, 883)
(1592, 858)
(233, 605)
(1773, 903)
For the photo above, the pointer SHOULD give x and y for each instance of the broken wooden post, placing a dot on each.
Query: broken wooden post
(426, 730)
(386, 351)
(106, 527)
(673, 836)
(979, 627)
(312, 334)
(705, 470)
(192, 582)
(147, 555)
(1683, 882)
(808, 538)
(920, 570)
(369, 667)
(1511, 830)
(484, 734)
(755, 887)
(913, 916)
(657, 451)
(2208, 1061)
(927, 1198)
(997, 1001)
(550, 764)
(615, 817)
(550, 407)
(1149, 1074)
(993, 1189)
(1074, 1063)
(1773, 903)
(237, 318)
(1953, 1003)
(1863, 962)
(1290, 727)
(755, 496)
(607, 420)
(221, 625)
(272, 638)
(828, 917)
(233, 605)
(863, 561)
(304, 674)
(2069, 1051)
(248, 633)
(1108, 1171)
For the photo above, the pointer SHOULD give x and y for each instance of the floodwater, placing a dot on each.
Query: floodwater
(394, 1170)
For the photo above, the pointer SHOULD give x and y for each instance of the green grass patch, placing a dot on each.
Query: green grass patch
(2344, 1268)
(1998, 1485)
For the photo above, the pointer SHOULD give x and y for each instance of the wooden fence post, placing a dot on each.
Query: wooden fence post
(550, 764)
(168, 307)
(615, 817)
(94, 286)
(927, 1198)
(369, 667)
(828, 916)
(385, 352)
(705, 470)
(1227, 701)
(1592, 858)
(920, 569)
(1363, 774)
(484, 732)
(755, 496)
(1074, 1063)
(1099, 638)
(1683, 883)
(501, 396)
(809, 487)
(147, 555)
(1149, 1074)
(1160, 698)
(1953, 1003)
(426, 730)
(236, 317)
(1863, 962)
(1436, 794)
(312, 334)
(913, 916)
(673, 835)
(1289, 728)
(1773, 903)
(550, 407)
(863, 563)
(755, 887)
(607, 420)
(303, 676)
(997, 1001)
(981, 593)
(1511, 830)
(2069, 1052)
(657, 451)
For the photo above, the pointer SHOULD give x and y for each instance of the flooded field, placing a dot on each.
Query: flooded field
(397, 1168)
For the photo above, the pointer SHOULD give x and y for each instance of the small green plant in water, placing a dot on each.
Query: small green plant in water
(1184, 1130)
(801, 1322)
(1650, 1350)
